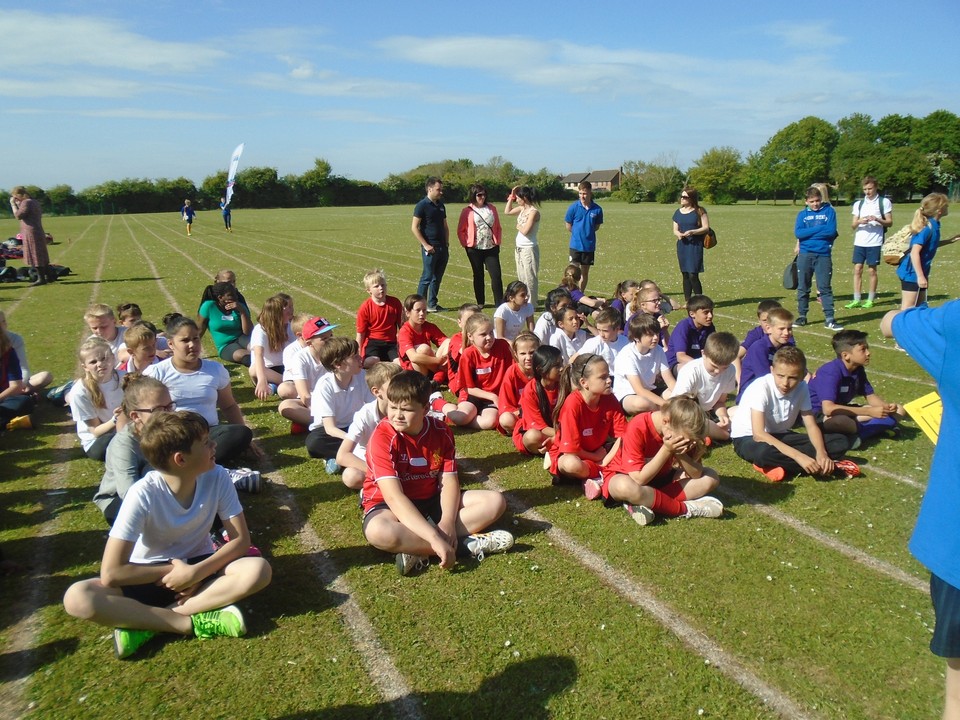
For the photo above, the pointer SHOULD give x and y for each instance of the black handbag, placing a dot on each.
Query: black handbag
(790, 280)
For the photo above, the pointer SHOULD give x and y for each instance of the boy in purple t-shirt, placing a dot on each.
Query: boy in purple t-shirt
(837, 383)
(688, 337)
(759, 358)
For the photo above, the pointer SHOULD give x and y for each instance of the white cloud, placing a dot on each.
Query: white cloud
(811, 36)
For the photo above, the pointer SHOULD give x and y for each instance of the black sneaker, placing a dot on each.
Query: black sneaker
(436, 309)
(800, 322)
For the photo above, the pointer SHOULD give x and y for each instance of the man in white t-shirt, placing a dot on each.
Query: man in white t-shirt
(872, 215)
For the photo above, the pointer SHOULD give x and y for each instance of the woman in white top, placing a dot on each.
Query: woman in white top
(202, 386)
(480, 234)
(527, 252)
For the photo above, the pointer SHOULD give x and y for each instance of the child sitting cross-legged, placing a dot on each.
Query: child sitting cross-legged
(837, 383)
(642, 379)
(160, 571)
(304, 372)
(711, 378)
(411, 498)
(771, 405)
(657, 469)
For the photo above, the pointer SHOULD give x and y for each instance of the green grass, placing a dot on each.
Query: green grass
(589, 616)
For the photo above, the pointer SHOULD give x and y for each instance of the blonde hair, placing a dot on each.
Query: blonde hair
(299, 320)
(684, 414)
(271, 320)
(930, 206)
(471, 324)
(99, 310)
(135, 336)
(375, 277)
(382, 372)
(824, 192)
(89, 347)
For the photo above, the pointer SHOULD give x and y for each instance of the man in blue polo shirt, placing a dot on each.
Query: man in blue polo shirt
(430, 229)
(583, 218)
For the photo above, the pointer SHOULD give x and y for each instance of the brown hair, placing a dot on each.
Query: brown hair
(336, 350)
(271, 320)
(167, 433)
(721, 347)
(409, 386)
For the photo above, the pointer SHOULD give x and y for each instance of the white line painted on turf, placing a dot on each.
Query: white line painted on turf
(899, 478)
(638, 595)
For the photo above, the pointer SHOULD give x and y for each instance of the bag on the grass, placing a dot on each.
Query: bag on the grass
(8, 274)
(59, 270)
(790, 278)
(896, 246)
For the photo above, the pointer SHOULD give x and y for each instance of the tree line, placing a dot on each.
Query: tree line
(907, 155)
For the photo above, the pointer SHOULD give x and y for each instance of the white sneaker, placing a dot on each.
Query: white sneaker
(246, 479)
(488, 543)
(408, 564)
(640, 514)
(707, 506)
(546, 460)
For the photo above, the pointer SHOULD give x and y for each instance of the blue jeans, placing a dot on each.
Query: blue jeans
(822, 265)
(434, 265)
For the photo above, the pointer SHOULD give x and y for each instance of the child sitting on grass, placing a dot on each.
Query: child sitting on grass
(141, 343)
(546, 325)
(569, 337)
(379, 318)
(711, 379)
(609, 341)
(517, 378)
(411, 498)
(514, 314)
(95, 398)
(759, 357)
(657, 469)
(417, 338)
(353, 450)
(688, 337)
(761, 428)
(159, 571)
(533, 433)
(338, 396)
(103, 324)
(484, 365)
(304, 372)
(642, 380)
(758, 332)
(269, 337)
(287, 389)
(837, 383)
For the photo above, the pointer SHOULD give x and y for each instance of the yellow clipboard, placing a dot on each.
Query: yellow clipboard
(927, 412)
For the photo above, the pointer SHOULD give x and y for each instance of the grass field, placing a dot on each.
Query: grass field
(802, 602)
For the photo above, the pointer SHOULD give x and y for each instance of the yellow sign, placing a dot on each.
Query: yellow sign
(926, 412)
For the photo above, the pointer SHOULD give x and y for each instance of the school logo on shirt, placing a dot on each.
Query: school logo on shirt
(484, 371)
(587, 432)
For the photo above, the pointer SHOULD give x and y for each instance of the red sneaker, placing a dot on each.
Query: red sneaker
(774, 473)
(847, 467)
(298, 429)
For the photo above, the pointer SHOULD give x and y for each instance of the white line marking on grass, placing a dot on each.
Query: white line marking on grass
(858, 556)
(173, 304)
(899, 478)
(643, 598)
(384, 674)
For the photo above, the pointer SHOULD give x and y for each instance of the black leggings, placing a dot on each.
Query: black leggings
(691, 285)
(491, 259)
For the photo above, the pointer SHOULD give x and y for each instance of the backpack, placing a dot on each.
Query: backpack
(883, 215)
(896, 246)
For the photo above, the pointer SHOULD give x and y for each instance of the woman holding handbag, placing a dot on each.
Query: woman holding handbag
(480, 234)
(690, 225)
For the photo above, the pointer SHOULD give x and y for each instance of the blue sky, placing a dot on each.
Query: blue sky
(95, 91)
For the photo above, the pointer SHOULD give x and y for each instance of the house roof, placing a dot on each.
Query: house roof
(574, 178)
(603, 175)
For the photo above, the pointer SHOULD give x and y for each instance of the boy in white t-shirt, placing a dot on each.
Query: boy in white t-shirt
(608, 342)
(160, 571)
(640, 365)
(303, 371)
(352, 455)
(872, 215)
(712, 377)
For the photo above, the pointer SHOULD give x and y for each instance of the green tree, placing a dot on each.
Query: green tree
(799, 154)
(756, 177)
(263, 188)
(61, 200)
(716, 175)
(313, 187)
(857, 153)
(895, 130)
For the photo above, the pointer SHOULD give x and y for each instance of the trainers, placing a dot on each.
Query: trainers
(833, 325)
(437, 402)
(546, 460)
(127, 642)
(640, 514)
(855, 304)
(847, 467)
(707, 506)
(408, 564)
(332, 467)
(593, 488)
(298, 429)
(225, 622)
(774, 473)
(896, 346)
(488, 543)
(867, 304)
(800, 322)
(246, 480)
(436, 309)
(57, 396)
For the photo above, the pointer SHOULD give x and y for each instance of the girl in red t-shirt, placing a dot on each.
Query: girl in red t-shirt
(519, 374)
(417, 338)
(588, 416)
(533, 434)
(483, 367)
(657, 469)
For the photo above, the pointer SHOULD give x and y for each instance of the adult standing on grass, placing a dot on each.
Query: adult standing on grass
(28, 212)
(430, 229)
(583, 218)
(690, 225)
(480, 234)
(527, 252)
(872, 215)
(929, 336)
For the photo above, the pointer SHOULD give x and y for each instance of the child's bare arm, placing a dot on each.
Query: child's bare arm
(760, 434)
(331, 429)
(346, 457)
(116, 570)
(824, 461)
(303, 390)
(408, 515)
(653, 467)
(668, 378)
(483, 395)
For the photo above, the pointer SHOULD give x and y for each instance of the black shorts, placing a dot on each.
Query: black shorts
(385, 350)
(429, 508)
(156, 595)
(584, 258)
(480, 404)
(946, 607)
(909, 286)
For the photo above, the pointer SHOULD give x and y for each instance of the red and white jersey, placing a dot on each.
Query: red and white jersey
(485, 373)
(581, 427)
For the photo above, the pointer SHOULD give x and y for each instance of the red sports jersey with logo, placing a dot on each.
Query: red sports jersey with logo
(408, 338)
(485, 373)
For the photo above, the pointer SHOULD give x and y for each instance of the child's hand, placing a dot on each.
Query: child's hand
(810, 465)
(256, 450)
(826, 464)
(723, 421)
(442, 549)
(180, 578)
(664, 323)
(263, 389)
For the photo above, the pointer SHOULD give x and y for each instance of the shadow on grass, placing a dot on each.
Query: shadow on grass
(736, 302)
(521, 692)
(23, 663)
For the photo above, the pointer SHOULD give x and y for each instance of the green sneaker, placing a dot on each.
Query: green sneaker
(127, 642)
(867, 304)
(853, 305)
(225, 622)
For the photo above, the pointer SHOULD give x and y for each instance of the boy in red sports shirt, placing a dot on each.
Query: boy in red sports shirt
(411, 495)
(378, 319)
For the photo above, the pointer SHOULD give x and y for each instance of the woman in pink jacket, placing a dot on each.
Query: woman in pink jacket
(479, 233)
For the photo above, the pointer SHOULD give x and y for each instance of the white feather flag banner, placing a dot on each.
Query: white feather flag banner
(232, 174)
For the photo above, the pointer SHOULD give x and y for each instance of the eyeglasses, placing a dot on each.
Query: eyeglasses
(684, 197)
(158, 408)
(653, 300)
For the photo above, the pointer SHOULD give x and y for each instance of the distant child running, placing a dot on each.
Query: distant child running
(187, 213)
(657, 469)
(160, 571)
(411, 498)
(227, 218)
